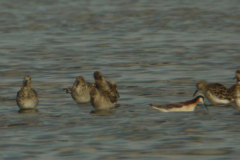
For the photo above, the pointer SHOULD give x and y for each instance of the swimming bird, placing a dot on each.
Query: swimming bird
(109, 86)
(105, 95)
(101, 100)
(80, 91)
(27, 97)
(186, 106)
(234, 91)
(215, 93)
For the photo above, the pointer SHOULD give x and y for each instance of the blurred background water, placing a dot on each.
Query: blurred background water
(156, 51)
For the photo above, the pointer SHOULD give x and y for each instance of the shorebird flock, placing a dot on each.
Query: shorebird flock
(104, 95)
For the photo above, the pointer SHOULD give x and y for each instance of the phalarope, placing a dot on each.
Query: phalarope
(186, 106)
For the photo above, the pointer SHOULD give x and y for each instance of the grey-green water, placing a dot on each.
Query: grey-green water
(155, 50)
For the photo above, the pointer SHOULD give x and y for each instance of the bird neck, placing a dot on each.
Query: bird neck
(102, 84)
(26, 85)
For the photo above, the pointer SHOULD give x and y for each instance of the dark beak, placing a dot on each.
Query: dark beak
(234, 77)
(195, 93)
(206, 106)
(77, 83)
(25, 82)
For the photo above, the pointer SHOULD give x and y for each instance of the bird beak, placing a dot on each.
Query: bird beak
(234, 77)
(25, 82)
(206, 106)
(195, 93)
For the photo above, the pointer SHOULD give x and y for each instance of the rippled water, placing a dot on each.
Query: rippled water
(155, 50)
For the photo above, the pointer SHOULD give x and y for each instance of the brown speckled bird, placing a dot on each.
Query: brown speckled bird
(105, 95)
(27, 97)
(80, 91)
(215, 93)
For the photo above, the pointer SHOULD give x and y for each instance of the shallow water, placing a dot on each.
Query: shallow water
(156, 51)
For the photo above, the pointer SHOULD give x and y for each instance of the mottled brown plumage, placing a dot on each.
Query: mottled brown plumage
(218, 90)
(234, 91)
(27, 97)
(100, 100)
(80, 90)
(105, 95)
(215, 93)
(113, 94)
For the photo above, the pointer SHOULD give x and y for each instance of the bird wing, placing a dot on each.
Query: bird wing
(32, 93)
(111, 96)
(167, 106)
(68, 90)
(113, 89)
(219, 90)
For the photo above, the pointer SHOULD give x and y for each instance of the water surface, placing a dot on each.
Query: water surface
(156, 51)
